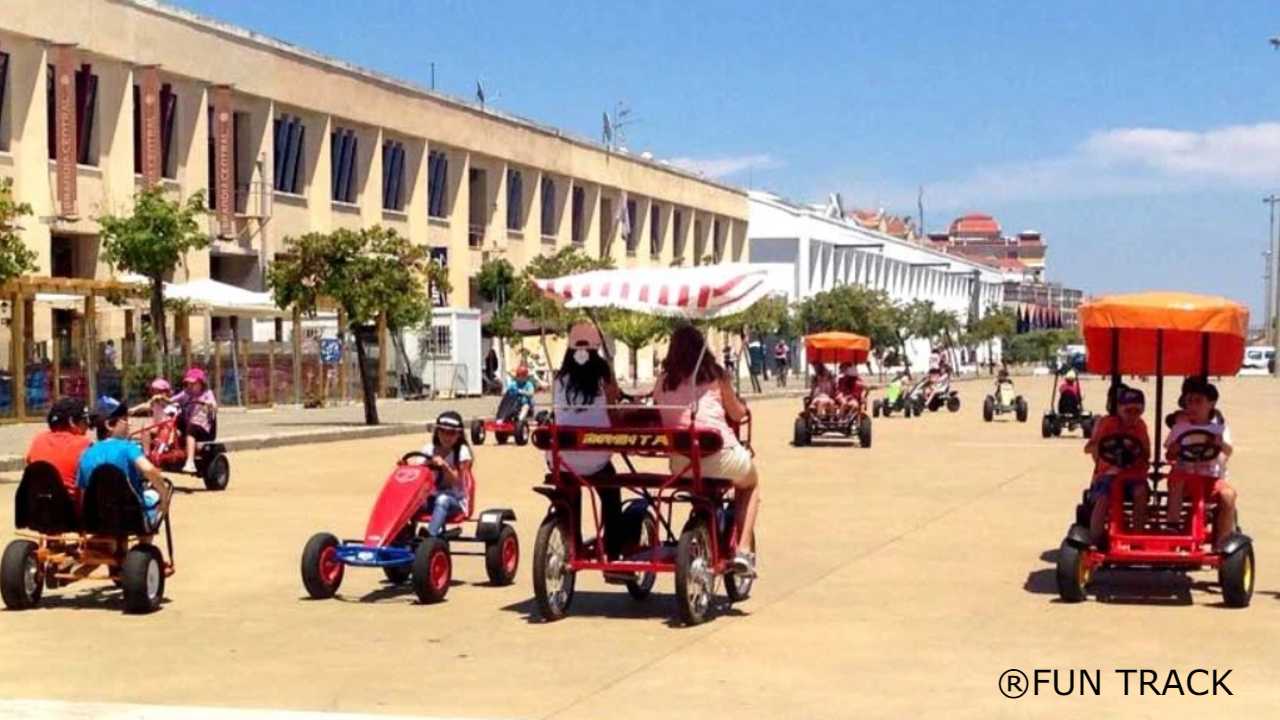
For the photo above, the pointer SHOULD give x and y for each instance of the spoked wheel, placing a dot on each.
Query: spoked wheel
(642, 585)
(142, 580)
(321, 569)
(432, 570)
(695, 578)
(1235, 575)
(21, 579)
(1073, 573)
(217, 473)
(502, 557)
(737, 587)
(553, 579)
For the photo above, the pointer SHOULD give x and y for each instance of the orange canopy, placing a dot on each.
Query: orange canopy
(836, 347)
(1197, 334)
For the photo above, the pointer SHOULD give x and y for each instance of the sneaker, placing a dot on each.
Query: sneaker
(744, 564)
(189, 467)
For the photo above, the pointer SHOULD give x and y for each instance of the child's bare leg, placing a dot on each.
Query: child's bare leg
(746, 505)
(1140, 499)
(1098, 521)
(1224, 523)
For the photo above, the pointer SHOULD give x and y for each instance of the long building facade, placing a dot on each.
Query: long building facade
(101, 97)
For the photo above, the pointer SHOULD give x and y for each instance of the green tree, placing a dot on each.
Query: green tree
(16, 258)
(528, 300)
(997, 323)
(152, 241)
(369, 272)
(498, 283)
(635, 330)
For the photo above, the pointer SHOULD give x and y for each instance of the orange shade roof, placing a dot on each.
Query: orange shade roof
(836, 347)
(1197, 334)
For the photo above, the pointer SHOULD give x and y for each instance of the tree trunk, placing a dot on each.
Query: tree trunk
(635, 374)
(158, 325)
(366, 381)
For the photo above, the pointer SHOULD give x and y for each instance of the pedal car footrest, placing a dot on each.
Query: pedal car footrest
(368, 556)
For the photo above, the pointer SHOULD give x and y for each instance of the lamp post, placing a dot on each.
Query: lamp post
(1273, 273)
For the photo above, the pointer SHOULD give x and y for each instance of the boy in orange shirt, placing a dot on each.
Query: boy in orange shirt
(1125, 419)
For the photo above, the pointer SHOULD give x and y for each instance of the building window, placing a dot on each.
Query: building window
(393, 175)
(576, 220)
(677, 232)
(655, 234)
(86, 103)
(633, 237)
(290, 145)
(4, 82)
(548, 207)
(717, 241)
(343, 144)
(515, 199)
(437, 179)
(168, 120)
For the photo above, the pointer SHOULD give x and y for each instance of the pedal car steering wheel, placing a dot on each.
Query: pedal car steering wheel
(425, 458)
(1198, 446)
(1120, 450)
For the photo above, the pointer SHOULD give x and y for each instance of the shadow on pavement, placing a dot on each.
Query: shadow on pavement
(1121, 587)
(103, 596)
(621, 606)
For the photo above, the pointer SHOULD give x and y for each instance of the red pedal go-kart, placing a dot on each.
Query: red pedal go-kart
(395, 539)
(1160, 334)
(700, 552)
(169, 452)
(834, 348)
(507, 423)
(62, 545)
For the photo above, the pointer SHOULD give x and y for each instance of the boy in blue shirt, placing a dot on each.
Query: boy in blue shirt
(115, 448)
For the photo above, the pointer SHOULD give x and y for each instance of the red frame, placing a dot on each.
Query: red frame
(1191, 547)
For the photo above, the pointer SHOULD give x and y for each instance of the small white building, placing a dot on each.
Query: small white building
(811, 250)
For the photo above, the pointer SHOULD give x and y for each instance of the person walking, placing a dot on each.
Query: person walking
(780, 353)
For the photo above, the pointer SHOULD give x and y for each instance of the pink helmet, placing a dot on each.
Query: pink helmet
(522, 372)
(160, 386)
(194, 375)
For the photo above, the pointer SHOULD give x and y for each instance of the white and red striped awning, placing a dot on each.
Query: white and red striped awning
(705, 291)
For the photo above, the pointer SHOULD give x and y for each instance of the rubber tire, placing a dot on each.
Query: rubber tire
(1086, 428)
(800, 435)
(1046, 427)
(988, 409)
(735, 588)
(420, 575)
(138, 564)
(1235, 575)
(864, 432)
(549, 525)
(501, 437)
(522, 433)
(640, 588)
(1067, 573)
(18, 556)
(397, 574)
(217, 473)
(317, 587)
(494, 557)
(953, 404)
(694, 534)
(875, 409)
(477, 432)
(1020, 408)
(1057, 429)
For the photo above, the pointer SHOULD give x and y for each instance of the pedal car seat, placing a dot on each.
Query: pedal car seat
(43, 504)
(112, 506)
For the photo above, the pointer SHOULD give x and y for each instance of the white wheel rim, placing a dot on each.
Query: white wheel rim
(701, 580)
(153, 579)
(31, 576)
(557, 562)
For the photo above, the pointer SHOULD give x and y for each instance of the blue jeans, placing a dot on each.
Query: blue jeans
(443, 505)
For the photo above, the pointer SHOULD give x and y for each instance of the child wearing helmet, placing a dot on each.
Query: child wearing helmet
(158, 407)
(197, 413)
(1069, 401)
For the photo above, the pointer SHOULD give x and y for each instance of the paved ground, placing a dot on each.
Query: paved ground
(899, 581)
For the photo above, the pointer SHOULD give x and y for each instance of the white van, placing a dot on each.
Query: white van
(1258, 357)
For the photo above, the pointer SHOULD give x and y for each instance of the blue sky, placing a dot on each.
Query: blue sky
(1139, 137)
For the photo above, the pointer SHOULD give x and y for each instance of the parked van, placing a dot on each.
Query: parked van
(1259, 357)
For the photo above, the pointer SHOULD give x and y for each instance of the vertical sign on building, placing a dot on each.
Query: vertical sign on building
(224, 160)
(64, 124)
(149, 114)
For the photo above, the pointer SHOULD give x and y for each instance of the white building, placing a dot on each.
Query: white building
(811, 250)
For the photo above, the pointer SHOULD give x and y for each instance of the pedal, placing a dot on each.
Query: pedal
(619, 578)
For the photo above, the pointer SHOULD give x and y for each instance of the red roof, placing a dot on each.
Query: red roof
(975, 224)
(1011, 264)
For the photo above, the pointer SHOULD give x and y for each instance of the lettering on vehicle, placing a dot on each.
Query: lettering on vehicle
(406, 475)
(625, 439)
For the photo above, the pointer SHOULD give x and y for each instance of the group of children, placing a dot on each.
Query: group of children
(836, 396)
(1197, 416)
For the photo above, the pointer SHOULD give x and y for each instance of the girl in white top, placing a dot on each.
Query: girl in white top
(680, 391)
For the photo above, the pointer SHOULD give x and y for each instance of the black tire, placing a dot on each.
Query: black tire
(522, 433)
(21, 577)
(1086, 428)
(739, 588)
(477, 432)
(502, 557)
(322, 572)
(217, 473)
(432, 570)
(800, 436)
(988, 409)
(1071, 573)
(875, 409)
(953, 403)
(864, 431)
(552, 580)
(695, 579)
(1057, 429)
(142, 580)
(500, 436)
(1084, 514)
(397, 574)
(1046, 427)
(1020, 408)
(642, 585)
(1235, 575)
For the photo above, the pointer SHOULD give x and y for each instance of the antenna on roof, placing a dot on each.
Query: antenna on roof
(615, 125)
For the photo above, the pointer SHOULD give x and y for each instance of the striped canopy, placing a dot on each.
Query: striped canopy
(705, 291)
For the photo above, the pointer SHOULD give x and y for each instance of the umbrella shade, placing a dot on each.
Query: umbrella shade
(704, 291)
(1190, 334)
(836, 347)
